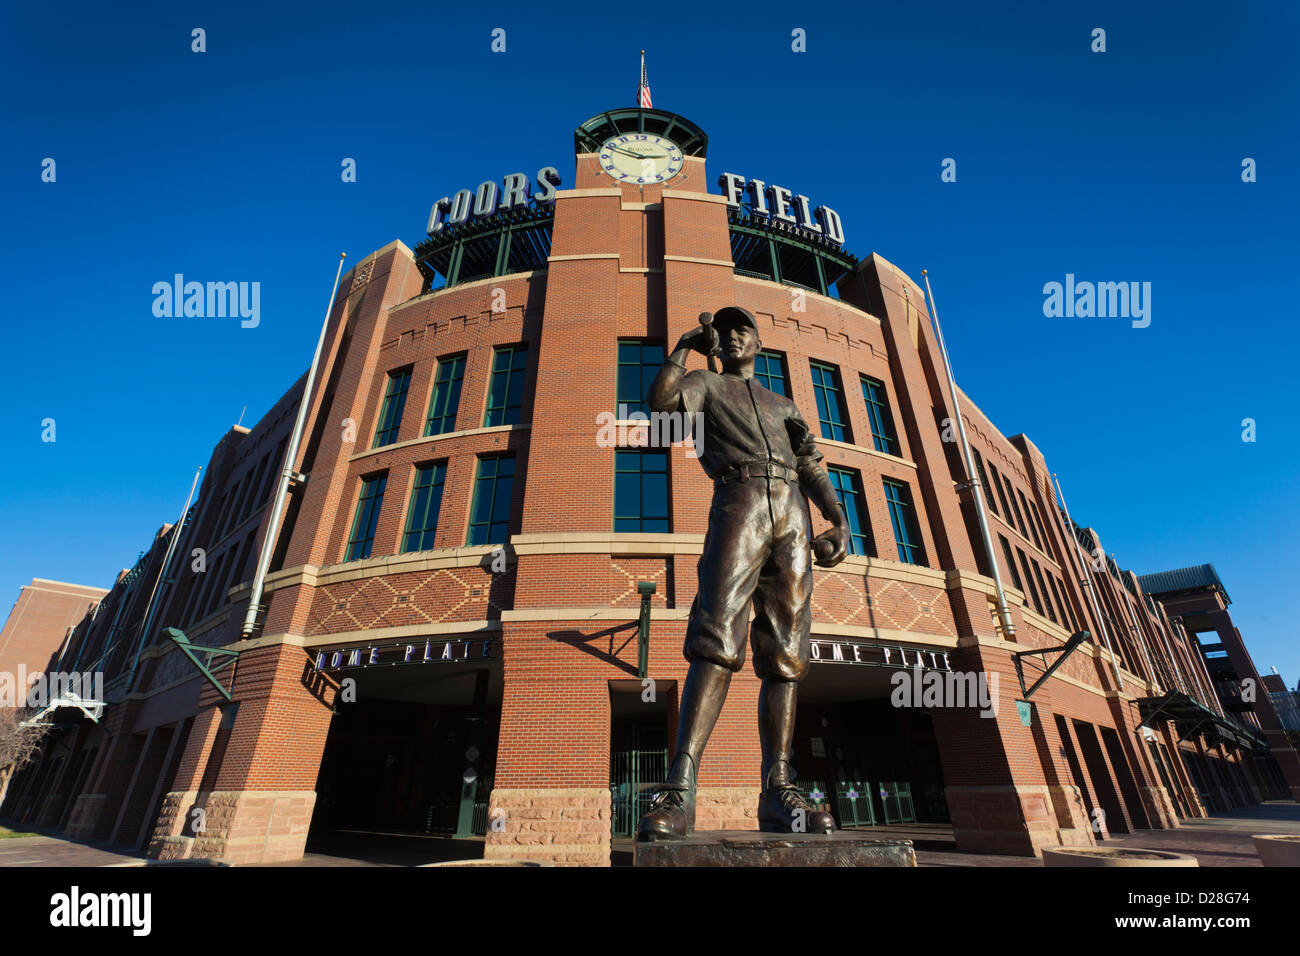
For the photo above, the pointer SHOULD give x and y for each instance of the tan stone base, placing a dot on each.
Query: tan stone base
(1160, 809)
(84, 816)
(568, 826)
(726, 808)
(238, 826)
(1012, 820)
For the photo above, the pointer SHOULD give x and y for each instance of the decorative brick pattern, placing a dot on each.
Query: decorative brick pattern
(462, 594)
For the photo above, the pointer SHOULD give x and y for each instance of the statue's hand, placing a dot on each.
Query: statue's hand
(831, 546)
(702, 339)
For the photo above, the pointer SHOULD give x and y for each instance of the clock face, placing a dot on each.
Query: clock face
(641, 158)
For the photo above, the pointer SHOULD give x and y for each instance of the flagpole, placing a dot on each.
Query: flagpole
(1087, 582)
(286, 472)
(1008, 628)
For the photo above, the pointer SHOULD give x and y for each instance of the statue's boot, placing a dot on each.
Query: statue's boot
(672, 811)
(781, 807)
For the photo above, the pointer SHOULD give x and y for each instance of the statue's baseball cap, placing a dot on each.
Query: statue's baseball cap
(735, 315)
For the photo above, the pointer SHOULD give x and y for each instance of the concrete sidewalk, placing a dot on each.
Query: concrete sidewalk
(1222, 840)
(43, 849)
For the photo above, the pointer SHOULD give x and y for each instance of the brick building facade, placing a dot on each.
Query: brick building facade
(450, 636)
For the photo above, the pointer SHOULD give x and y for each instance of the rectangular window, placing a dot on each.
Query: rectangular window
(830, 403)
(1029, 581)
(638, 364)
(367, 518)
(1002, 495)
(1074, 620)
(641, 491)
(984, 480)
(1011, 563)
(882, 421)
(255, 487)
(848, 488)
(769, 369)
(228, 511)
(903, 517)
(1042, 586)
(1066, 614)
(390, 415)
(426, 503)
(506, 393)
(1033, 507)
(489, 515)
(446, 395)
(1020, 519)
(1033, 531)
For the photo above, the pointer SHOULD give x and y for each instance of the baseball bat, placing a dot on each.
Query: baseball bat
(706, 320)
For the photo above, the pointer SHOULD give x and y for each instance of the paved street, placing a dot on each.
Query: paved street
(1219, 841)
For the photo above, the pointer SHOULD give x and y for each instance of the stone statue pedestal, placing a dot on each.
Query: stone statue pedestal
(752, 848)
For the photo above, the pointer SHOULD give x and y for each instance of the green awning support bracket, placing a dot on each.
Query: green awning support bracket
(1065, 650)
(206, 668)
(646, 589)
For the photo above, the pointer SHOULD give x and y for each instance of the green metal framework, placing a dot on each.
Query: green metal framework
(1191, 719)
(188, 648)
(765, 248)
(518, 240)
(591, 135)
(1065, 650)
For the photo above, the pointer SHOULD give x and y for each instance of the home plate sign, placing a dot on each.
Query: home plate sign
(387, 655)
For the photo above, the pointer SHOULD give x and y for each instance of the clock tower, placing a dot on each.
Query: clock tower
(641, 148)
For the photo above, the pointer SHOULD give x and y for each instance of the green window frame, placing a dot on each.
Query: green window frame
(831, 413)
(1011, 563)
(506, 388)
(1042, 530)
(390, 415)
(1029, 581)
(369, 503)
(489, 513)
(848, 489)
(445, 401)
(426, 504)
(883, 433)
(639, 361)
(984, 480)
(1042, 586)
(1002, 494)
(1064, 601)
(769, 369)
(1020, 519)
(1033, 531)
(641, 501)
(902, 515)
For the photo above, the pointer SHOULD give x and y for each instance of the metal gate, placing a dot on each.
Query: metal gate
(638, 765)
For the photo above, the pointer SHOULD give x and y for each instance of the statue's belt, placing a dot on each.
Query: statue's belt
(745, 470)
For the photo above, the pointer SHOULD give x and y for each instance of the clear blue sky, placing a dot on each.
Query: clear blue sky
(225, 166)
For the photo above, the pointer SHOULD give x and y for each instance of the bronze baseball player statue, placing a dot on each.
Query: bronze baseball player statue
(763, 461)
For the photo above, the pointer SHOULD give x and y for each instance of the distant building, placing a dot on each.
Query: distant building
(1197, 604)
(1286, 702)
(41, 619)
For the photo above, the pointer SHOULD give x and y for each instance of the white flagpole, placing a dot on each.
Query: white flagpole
(286, 472)
(1008, 628)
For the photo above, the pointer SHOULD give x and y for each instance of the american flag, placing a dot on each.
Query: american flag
(643, 91)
